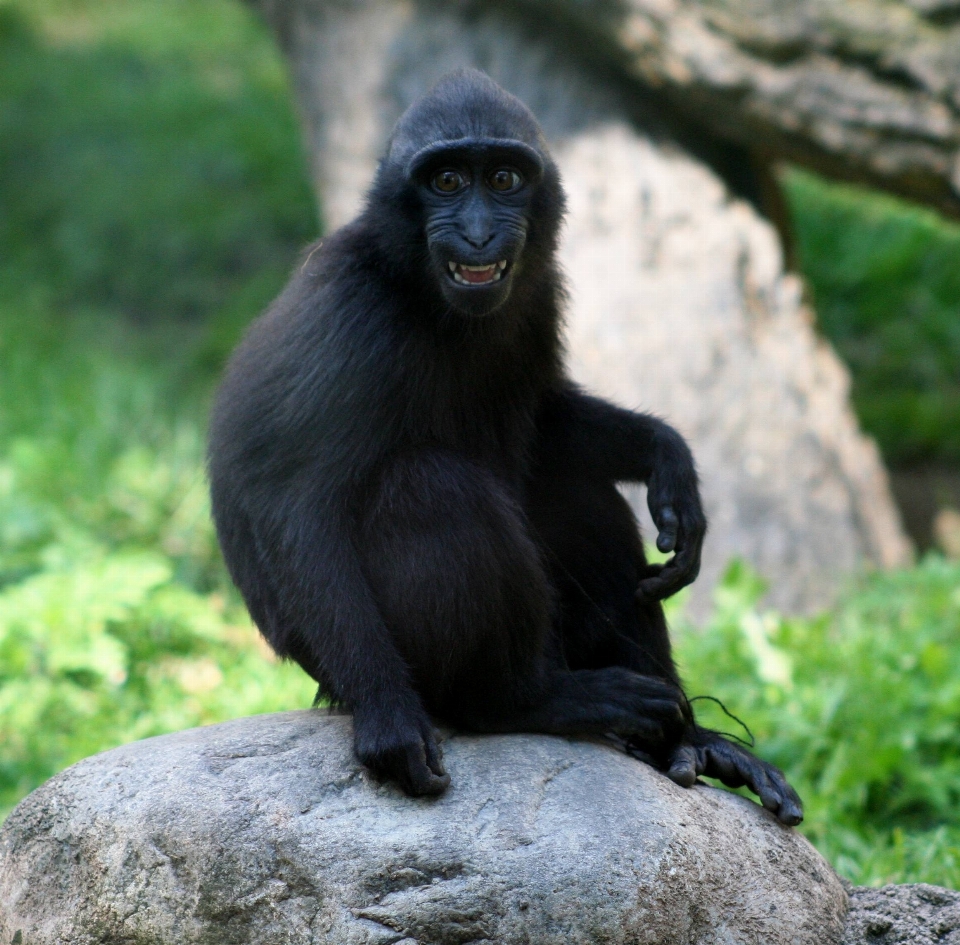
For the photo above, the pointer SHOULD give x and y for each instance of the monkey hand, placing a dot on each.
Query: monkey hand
(402, 747)
(674, 502)
(702, 752)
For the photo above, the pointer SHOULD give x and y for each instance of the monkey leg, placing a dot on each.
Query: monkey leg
(454, 575)
(461, 586)
(592, 548)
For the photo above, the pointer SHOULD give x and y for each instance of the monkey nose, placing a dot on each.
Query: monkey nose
(478, 241)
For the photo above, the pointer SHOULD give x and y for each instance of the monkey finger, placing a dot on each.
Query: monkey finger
(426, 783)
(691, 548)
(683, 567)
(768, 794)
(417, 778)
(646, 730)
(672, 578)
(791, 810)
(668, 525)
(690, 537)
(652, 589)
(649, 583)
(682, 767)
(728, 767)
(654, 583)
(634, 751)
(663, 710)
(753, 774)
(434, 755)
(791, 807)
(774, 792)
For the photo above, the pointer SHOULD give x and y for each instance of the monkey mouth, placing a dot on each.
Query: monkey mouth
(463, 274)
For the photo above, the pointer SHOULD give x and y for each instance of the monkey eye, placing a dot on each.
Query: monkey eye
(448, 181)
(504, 180)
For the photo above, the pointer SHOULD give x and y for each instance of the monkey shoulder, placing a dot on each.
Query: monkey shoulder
(319, 365)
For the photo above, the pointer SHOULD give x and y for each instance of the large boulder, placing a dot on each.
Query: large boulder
(266, 830)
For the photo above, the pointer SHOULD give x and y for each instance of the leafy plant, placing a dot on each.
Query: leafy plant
(859, 707)
(117, 620)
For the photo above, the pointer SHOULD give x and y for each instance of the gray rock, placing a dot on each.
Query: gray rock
(265, 830)
(903, 915)
(866, 91)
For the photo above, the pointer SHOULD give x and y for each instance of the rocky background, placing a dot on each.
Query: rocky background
(666, 118)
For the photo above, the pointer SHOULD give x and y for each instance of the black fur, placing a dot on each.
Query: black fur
(420, 507)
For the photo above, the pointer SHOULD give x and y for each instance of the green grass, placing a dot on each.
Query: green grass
(885, 279)
(117, 620)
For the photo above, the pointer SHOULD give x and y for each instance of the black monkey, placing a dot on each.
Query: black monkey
(420, 507)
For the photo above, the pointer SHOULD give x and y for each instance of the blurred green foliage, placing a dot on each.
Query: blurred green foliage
(859, 707)
(153, 167)
(885, 278)
(152, 197)
(117, 620)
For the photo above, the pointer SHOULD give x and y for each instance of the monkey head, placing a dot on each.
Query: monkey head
(469, 167)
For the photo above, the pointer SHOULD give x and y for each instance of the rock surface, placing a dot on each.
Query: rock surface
(680, 303)
(866, 90)
(265, 831)
(903, 915)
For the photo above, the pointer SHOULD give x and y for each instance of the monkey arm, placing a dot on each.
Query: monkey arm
(601, 438)
(592, 437)
(334, 629)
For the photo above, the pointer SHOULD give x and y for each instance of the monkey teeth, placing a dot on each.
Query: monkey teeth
(477, 275)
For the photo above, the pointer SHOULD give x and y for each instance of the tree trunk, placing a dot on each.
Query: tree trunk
(680, 303)
(861, 90)
(864, 90)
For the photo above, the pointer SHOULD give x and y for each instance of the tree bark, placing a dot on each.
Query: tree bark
(680, 302)
(863, 90)
(860, 90)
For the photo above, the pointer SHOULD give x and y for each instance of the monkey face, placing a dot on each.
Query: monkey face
(476, 194)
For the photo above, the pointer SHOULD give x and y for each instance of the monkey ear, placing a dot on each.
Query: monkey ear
(526, 157)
